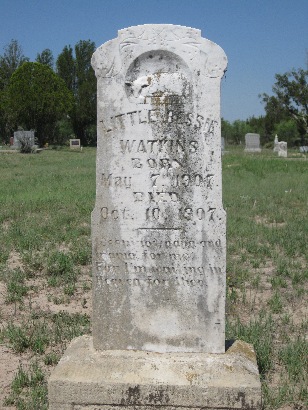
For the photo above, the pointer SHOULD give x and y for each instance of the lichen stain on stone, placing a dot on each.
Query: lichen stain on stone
(158, 397)
(131, 396)
(242, 348)
(191, 377)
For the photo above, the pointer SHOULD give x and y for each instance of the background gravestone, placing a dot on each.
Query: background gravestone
(282, 149)
(252, 142)
(275, 149)
(158, 236)
(75, 143)
(27, 136)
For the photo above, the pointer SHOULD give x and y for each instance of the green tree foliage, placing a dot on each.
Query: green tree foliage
(46, 58)
(287, 130)
(36, 99)
(65, 66)
(79, 77)
(234, 133)
(12, 58)
(290, 100)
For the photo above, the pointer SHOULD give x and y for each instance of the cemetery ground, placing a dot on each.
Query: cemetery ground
(45, 278)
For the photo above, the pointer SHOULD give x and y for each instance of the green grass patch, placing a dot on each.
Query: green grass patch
(45, 209)
(45, 330)
(29, 389)
(258, 332)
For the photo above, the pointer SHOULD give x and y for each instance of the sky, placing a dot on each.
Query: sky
(260, 37)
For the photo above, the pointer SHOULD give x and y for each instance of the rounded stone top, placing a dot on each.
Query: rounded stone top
(201, 55)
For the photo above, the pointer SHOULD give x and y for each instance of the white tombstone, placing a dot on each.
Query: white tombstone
(276, 143)
(158, 236)
(252, 142)
(158, 227)
(282, 149)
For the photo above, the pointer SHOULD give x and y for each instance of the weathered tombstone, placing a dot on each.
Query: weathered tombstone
(282, 149)
(252, 142)
(276, 143)
(23, 137)
(303, 149)
(158, 236)
(158, 227)
(75, 144)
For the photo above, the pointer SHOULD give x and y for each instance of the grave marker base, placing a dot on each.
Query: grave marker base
(88, 379)
(257, 150)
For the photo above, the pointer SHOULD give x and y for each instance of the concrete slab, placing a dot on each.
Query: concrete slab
(88, 379)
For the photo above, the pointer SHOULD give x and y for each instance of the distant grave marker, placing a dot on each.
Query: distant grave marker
(276, 143)
(23, 137)
(282, 149)
(252, 142)
(75, 143)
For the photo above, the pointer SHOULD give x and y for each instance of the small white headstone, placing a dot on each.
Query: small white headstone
(252, 142)
(282, 149)
(276, 143)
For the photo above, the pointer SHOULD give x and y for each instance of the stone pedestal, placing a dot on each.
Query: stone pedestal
(88, 379)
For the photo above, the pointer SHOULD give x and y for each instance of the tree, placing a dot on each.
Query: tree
(79, 77)
(12, 59)
(65, 66)
(36, 99)
(287, 131)
(290, 99)
(46, 58)
(235, 132)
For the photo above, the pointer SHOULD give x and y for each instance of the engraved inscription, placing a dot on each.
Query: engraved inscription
(106, 268)
(154, 243)
(164, 115)
(116, 181)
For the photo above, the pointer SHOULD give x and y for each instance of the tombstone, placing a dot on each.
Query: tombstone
(26, 136)
(158, 236)
(252, 142)
(75, 144)
(303, 149)
(276, 143)
(282, 149)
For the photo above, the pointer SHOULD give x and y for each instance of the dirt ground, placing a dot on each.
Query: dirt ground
(39, 299)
